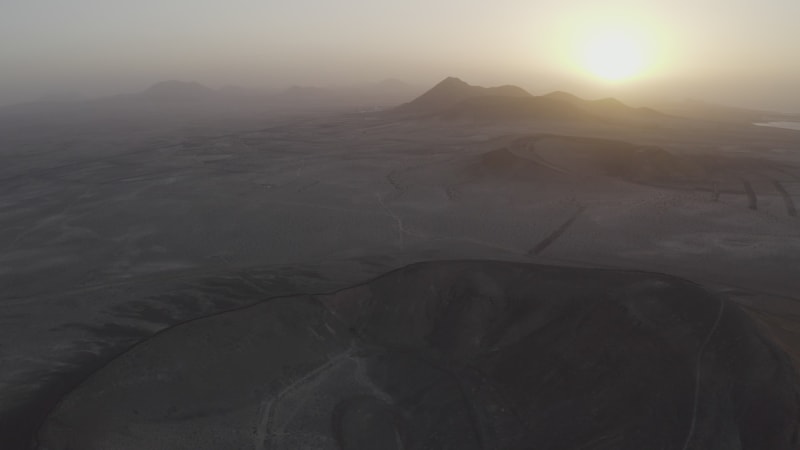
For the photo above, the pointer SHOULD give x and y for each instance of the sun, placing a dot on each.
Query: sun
(614, 55)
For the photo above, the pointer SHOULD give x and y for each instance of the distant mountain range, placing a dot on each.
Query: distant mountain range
(453, 98)
(386, 93)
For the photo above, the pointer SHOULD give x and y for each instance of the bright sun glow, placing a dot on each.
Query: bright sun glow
(614, 55)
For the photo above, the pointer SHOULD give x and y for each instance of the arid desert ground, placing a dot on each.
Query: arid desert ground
(117, 224)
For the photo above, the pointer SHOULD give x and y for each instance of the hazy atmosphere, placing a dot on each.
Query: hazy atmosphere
(97, 47)
(416, 225)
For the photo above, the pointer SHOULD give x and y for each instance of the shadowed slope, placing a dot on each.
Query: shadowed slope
(609, 108)
(452, 90)
(579, 158)
(464, 355)
(498, 108)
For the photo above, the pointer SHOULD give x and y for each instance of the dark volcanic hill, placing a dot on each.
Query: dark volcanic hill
(606, 107)
(583, 158)
(455, 99)
(467, 355)
(452, 91)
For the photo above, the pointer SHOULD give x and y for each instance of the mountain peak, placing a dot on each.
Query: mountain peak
(563, 96)
(452, 90)
(453, 84)
(452, 81)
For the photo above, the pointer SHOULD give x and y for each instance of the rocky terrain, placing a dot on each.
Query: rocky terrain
(469, 355)
(134, 225)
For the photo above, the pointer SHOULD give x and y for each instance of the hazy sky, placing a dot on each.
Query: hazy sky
(740, 51)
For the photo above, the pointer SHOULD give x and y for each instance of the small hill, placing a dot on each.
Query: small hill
(452, 91)
(505, 164)
(609, 108)
(586, 156)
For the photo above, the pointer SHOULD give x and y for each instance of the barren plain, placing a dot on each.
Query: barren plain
(115, 226)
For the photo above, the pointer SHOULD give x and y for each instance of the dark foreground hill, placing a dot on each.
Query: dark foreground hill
(466, 355)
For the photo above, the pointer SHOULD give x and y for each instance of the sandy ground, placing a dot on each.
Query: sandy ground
(110, 233)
